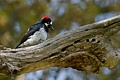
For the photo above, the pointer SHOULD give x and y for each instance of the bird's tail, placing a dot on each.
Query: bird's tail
(18, 46)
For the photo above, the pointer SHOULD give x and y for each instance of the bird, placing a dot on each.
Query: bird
(37, 33)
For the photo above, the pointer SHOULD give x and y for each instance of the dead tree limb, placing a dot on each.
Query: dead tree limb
(87, 48)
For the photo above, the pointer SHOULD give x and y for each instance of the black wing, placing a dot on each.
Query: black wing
(30, 32)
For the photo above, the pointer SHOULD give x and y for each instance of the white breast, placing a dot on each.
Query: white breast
(37, 38)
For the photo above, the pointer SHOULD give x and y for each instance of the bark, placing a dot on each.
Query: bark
(86, 48)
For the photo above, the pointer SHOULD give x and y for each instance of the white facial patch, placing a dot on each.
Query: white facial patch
(46, 24)
(51, 23)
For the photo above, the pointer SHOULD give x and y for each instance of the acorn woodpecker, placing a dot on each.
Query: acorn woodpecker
(37, 33)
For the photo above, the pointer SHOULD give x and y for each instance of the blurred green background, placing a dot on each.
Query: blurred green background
(16, 16)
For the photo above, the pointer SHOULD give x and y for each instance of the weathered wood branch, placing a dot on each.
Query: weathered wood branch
(87, 48)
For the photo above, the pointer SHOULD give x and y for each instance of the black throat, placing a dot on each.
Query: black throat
(46, 28)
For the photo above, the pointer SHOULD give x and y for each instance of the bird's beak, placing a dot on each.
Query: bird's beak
(49, 25)
(52, 28)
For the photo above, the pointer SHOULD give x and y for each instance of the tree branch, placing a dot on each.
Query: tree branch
(87, 48)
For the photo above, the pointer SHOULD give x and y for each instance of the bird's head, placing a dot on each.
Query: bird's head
(47, 22)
